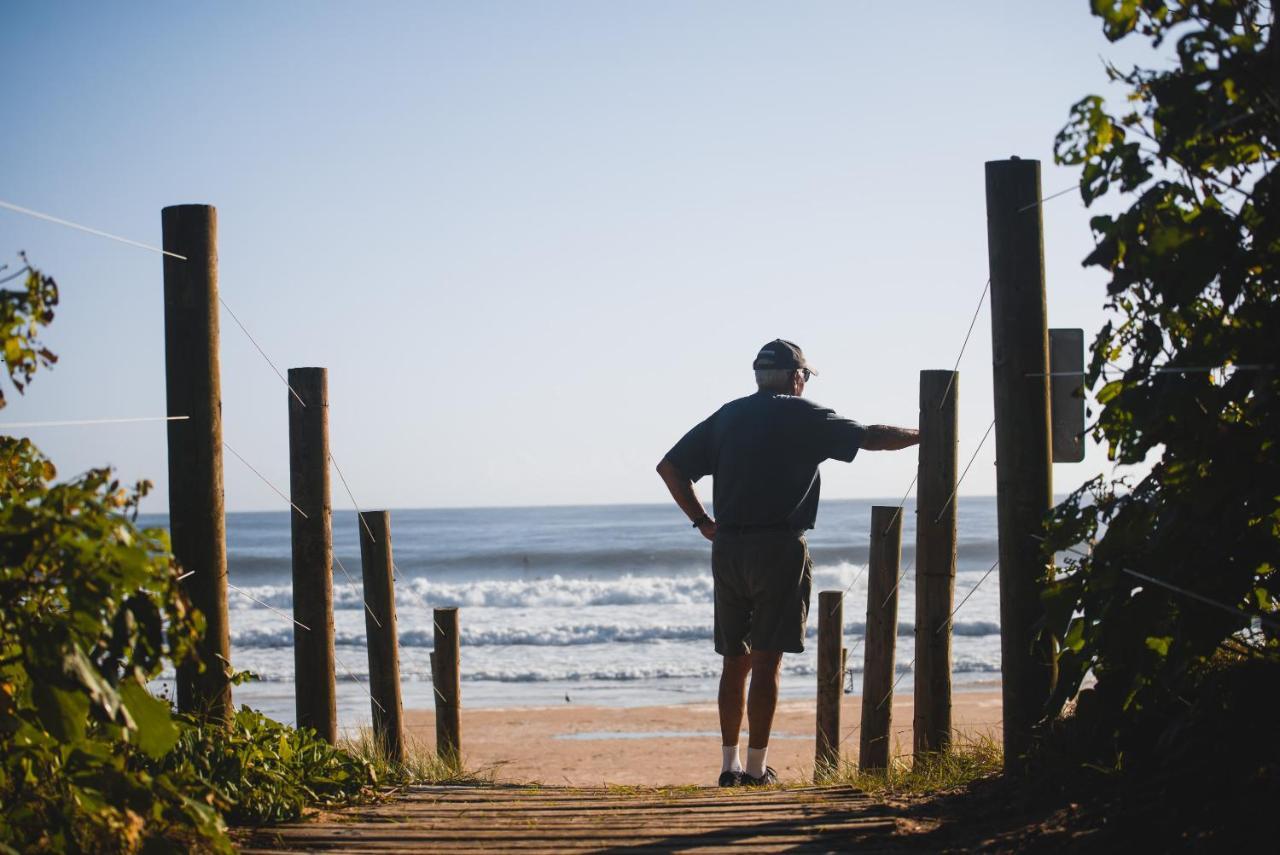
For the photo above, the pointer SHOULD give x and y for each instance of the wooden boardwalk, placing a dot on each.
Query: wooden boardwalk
(560, 819)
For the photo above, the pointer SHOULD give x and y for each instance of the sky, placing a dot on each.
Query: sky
(534, 242)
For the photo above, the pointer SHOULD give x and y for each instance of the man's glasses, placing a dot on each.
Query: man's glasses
(804, 372)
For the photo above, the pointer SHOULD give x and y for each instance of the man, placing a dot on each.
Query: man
(763, 452)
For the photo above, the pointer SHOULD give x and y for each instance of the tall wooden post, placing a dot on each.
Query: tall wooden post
(193, 389)
(1024, 472)
(830, 683)
(380, 630)
(935, 558)
(313, 655)
(881, 639)
(448, 688)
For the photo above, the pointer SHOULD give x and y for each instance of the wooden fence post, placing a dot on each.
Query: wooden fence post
(1024, 471)
(881, 638)
(448, 689)
(935, 559)
(312, 529)
(830, 683)
(193, 388)
(380, 630)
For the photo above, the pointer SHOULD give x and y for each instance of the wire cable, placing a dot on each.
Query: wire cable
(59, 221)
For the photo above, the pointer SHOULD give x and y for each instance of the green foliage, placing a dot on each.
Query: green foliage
(1193, 267)
(89, 613)
(22, 313)
(259, 770)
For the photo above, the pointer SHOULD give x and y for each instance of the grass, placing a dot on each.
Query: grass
(421, 764)
(970, 760)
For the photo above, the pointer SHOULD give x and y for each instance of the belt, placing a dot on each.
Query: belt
(735, 528)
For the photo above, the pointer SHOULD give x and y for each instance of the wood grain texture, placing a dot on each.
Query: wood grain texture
(935, 558)
(807, 819)
(448, 684)
(1024, 471)
(193, 388)
(830, 683)
(312, 538)
(380, 625)
(880, 642)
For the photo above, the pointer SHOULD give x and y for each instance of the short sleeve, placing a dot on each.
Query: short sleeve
(837, 438)
(692, 454)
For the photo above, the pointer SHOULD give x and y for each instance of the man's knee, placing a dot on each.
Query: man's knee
(766, 661)
(738, 666)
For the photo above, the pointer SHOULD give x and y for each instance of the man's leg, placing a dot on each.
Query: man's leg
(733, 697)
(766, 675)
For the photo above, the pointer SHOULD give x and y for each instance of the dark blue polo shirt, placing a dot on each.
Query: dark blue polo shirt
(763, 452)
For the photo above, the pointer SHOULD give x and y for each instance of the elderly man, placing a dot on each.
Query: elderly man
(763, 452)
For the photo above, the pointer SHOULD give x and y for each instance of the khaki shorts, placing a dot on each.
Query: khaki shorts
(762, 582)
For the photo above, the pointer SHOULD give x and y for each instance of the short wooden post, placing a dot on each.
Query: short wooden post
(830, 683)
(448, 688)
(1024, 471)
(312, 528)
(935, 559)
(193, 388)
(380, 630)
(881, 639)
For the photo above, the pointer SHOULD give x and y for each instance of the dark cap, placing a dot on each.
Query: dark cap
(781, 353)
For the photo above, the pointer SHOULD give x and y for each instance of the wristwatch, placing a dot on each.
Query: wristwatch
(700, 520)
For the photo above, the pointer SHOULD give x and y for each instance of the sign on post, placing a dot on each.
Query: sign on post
(1066, 394)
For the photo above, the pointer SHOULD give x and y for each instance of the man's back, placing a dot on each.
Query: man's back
(763, 452)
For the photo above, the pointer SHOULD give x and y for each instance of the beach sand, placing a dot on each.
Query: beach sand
(674, 745)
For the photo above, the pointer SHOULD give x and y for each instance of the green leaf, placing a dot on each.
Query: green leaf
(63, 712)
(156, 731)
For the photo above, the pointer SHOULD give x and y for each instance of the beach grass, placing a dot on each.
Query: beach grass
(969, 759)
(421, 765)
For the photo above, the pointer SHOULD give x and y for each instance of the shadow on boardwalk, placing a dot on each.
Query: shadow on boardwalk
(706, 820)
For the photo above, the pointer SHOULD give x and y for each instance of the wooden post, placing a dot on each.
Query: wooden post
(313, 655)
(1024, 472)
(935, 558)
(448, 689)
(830, 683)
(193, 388)
(881, 639)
(377, 569)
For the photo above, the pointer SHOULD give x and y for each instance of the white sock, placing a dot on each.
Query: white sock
(730, 761)
(755, 761)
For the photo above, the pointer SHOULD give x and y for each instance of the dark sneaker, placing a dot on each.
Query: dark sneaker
(731, 779)
(768, 779)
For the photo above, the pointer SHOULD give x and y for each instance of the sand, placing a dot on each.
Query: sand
(674, 745)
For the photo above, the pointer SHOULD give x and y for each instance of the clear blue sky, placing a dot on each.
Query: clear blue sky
(534, 242)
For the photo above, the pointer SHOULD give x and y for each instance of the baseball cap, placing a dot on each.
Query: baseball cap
(781, 353)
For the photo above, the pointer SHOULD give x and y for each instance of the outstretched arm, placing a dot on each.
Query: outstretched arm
(887, 438)
(682, 491)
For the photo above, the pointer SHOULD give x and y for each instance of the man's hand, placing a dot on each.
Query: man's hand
(708, 528)
(886, 438)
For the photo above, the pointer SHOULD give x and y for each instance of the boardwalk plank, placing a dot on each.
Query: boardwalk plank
(591, 819)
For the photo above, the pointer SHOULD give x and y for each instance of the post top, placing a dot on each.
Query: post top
(188, 206)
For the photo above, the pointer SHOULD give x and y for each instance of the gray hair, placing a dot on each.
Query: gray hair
(775, 379)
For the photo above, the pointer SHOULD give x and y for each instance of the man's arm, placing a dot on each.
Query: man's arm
(887, 438)
(682, 491)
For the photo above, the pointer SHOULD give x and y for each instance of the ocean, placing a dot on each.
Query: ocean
(593, 605)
